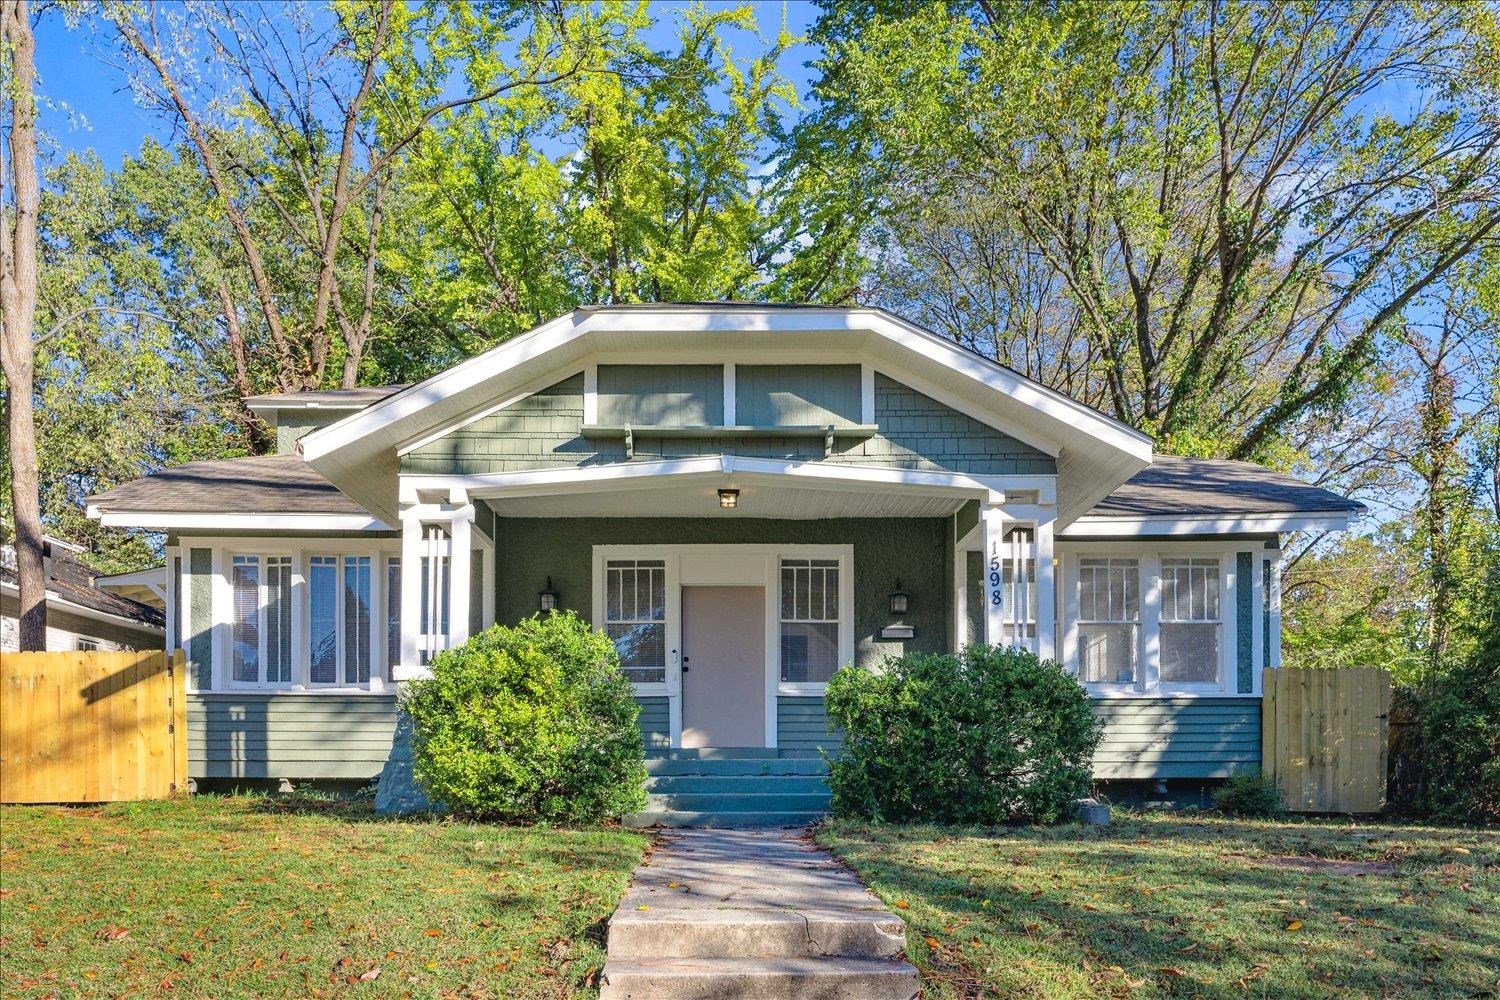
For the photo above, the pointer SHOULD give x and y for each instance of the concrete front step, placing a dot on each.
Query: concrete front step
(677, 818)
(758, 979)
(768, 801)
(754, 933)
(743, 784)
(735, 766)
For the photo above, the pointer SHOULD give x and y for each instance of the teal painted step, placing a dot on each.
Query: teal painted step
(768, 802)
(675, 818)
(727, 784)
(731, 753)
(735, 767)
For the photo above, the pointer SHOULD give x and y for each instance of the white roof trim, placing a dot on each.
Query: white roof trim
(182, 520)
(648, 475)
(358, 453)
(1205, 524)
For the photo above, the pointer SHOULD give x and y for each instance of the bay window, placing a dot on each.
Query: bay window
(635, 616)
(1109, 619)
(1190, 622)
(809, 620)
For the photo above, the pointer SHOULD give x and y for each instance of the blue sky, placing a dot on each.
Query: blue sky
(87, 104)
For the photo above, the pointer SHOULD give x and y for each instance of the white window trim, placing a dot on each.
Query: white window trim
(1225, 621)
(1075, 592)
(757, 565)
(1148, 673)
(262, 612)
(221, 596)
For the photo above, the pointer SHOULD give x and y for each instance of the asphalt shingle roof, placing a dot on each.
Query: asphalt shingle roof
(270, 484)
(287, 484)
(1174, 485)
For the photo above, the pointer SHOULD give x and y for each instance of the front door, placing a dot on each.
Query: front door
(723, 666)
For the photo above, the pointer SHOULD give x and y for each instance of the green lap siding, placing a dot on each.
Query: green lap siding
(1177, 737)
(655, 722)
(296, 736)
(802, 724)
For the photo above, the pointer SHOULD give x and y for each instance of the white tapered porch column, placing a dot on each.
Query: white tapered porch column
(992, 520)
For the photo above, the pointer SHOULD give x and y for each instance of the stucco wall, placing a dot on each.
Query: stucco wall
(885, 549)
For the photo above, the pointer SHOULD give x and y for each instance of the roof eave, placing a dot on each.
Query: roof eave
(1197, 525)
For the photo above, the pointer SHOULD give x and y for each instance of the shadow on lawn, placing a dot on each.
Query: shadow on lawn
(1070, 895)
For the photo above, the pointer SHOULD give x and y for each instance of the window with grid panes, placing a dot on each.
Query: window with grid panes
(635, 616)
(809, 620)
(1190, 620)
(1109, 620)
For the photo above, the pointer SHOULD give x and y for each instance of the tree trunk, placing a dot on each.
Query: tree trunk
(18, 276)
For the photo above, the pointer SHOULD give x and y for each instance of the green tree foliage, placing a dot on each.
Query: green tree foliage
(1202, 217)
(985, 736)
(530, 723)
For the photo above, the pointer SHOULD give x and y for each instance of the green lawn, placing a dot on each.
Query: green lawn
(240, 896)
(1163, 905)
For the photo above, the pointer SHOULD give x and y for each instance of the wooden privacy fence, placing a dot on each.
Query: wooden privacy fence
(1324, 736)
(92, 727)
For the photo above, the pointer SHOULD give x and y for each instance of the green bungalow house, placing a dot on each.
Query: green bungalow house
(746, 497)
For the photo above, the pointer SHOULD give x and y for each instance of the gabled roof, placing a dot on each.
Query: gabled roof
(1095, 452)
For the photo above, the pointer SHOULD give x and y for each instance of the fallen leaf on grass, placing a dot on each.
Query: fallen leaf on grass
(1295, 925)
(902, 904)
(933, 943)
(113, 933)
(433, 932)
(1171, 970)
(372, 973)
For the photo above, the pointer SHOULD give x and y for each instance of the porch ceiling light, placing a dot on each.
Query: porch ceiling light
(546, 600)
(729, 498)
(899, 600)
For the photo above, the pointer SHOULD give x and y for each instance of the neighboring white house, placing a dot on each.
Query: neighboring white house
(825, 486)
(82, 612)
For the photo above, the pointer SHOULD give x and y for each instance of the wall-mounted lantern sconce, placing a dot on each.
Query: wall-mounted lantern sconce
(546, 600)
(729, 498)
(899, 600)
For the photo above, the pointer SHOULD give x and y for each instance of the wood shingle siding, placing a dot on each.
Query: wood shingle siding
(254, 735)
(917, 432)
(1148, 738)
(543, 431)
(537, 432)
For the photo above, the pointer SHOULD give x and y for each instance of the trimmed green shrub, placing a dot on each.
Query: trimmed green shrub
(1251, 794)
(529, 723)
(987, 736)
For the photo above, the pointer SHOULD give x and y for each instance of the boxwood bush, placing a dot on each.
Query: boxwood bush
(986, 736)
(529, 723)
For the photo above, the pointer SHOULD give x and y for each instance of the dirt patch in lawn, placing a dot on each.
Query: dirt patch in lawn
(1325, 866)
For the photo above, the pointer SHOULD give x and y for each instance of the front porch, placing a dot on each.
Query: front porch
(730, 619)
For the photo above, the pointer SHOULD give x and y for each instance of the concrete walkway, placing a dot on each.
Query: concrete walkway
(752, 913)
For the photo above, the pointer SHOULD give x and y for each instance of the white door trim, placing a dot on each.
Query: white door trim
(730, 564)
